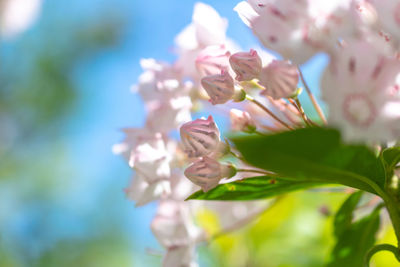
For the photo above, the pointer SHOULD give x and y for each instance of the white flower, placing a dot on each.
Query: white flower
(361, 90)
(388, 16)
(168, 114)
(207, 28)
(212, 60)
(281, 26)
(173, 225)
(134, 137)
(151, 161)
(17, 15)
(298, 29)
(182, 256)
(241, 121)
(142, 192)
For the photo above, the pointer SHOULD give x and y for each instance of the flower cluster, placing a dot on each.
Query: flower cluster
(260, 95)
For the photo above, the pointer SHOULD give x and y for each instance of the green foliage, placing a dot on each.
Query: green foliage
(253, 188)
(314, 154)
(390, 157)
(344, 216)
(354, 239)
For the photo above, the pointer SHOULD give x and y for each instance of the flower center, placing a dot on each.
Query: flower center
(359, 110)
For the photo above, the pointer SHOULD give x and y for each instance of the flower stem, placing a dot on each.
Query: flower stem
(260, 105)
(379, 248)
(255, 171)
(312, 98)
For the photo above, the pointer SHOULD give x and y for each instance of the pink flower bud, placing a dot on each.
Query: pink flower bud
(246, 65)
(212, 60)
(280, 79)
(207, 172)
(219, 87)
(200, 137)
(242, 121)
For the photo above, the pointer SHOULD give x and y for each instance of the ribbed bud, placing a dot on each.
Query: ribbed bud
(280, 79)
(241, 121)
(200, 137)
(219, 87)
(246, 65)
(207, 172)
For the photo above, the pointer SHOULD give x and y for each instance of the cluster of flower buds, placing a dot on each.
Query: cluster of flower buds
(201, 140)
(360, 87)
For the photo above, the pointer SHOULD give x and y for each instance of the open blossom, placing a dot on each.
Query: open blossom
(212, 60)
(241, 121)
(142, 192)
(388, 12)
(207, 172)
(207, 28)
(200, 137)
(174, 229)
(17, 15)
(361, 90)
(169, 114)
(246, 65)
(299, 29)
(280, 26)
(159, 81)
(280, 79)
(151, 161)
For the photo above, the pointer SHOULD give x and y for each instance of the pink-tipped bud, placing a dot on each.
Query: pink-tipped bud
(219, 87)
(246, 65)
(280, 79)
(207, 172)
(212, 60)
(242, 121)
(200, 137)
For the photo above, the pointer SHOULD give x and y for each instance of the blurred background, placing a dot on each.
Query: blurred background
(66, 68)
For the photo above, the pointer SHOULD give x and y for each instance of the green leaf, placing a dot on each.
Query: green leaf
(314, 154)
(353, 239)
(390, 158)
(252, 188)
(344, 216)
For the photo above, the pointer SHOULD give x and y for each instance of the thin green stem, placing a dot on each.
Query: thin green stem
(260, 133)
(260, 105)
(236, 155)
(381, 247)
(256, 171)
(390, 205)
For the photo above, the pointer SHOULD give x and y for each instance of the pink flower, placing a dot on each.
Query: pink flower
(207, 172)
(173, 225)
(360, 87)
(200, 137)
(142, 192)
(280, 79)
(219, 87)
(169, 114)
(388, 16)
(281, 26)
(207, 28)
(246, 65)
(212, 60)
(297, 29)
(241, 121)
(151, 161)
